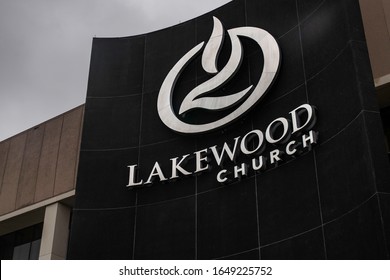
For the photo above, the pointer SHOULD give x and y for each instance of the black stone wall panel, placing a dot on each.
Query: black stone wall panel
(329, 202)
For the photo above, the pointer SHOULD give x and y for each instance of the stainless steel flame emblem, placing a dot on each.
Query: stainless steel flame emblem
(197, 98)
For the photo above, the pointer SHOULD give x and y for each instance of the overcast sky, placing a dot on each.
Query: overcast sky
(45, 48)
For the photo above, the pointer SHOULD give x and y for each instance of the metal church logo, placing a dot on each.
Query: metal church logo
(282, 140)
(198, 99)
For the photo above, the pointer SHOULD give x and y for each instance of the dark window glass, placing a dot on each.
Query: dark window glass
(22, 252)
(23, 244)
(34, 251)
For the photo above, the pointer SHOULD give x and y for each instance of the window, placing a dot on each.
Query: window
(23, 244)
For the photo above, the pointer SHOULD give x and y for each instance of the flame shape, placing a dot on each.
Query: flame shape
(197, 99)
(209, 61)
(213, 48)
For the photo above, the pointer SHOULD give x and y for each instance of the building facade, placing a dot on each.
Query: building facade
(251, 132)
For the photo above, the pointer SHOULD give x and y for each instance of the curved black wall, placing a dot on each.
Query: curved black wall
(323, 204)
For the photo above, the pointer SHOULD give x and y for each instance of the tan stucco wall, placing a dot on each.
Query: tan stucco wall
(376, 19)
(41, 162)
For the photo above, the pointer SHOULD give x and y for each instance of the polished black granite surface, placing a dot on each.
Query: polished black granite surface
(331, 202)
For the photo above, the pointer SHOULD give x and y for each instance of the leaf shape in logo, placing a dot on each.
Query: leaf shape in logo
(209, 60)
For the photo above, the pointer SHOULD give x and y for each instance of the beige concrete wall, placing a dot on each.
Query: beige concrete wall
(41, 162)
(54, 243)
(376, 19)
